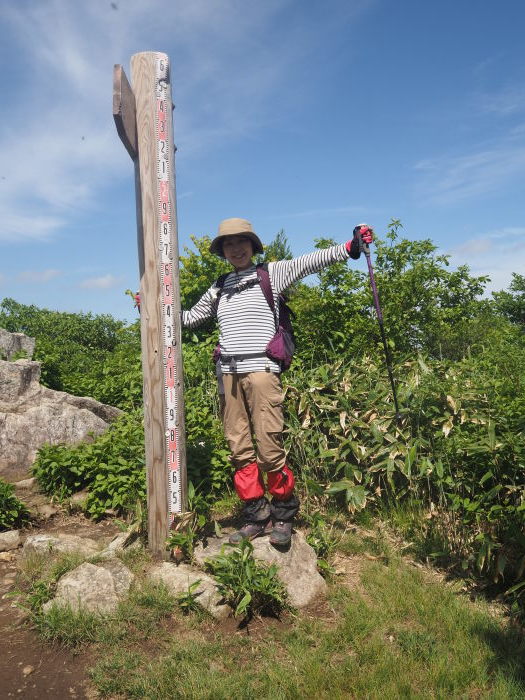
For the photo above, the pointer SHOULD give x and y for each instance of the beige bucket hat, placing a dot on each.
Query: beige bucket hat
(235, 227)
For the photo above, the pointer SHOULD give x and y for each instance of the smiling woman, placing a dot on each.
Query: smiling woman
(252, 387)
(238, 251)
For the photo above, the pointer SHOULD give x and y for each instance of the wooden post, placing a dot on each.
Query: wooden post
(143, 117)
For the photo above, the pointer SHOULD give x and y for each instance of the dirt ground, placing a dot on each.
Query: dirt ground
(30, 669)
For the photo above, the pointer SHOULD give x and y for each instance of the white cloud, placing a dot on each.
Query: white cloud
(509, 100)
(38, 275)
(445, 180)
(497, 254)
(58, 143)
(104, 282)
(17, 227)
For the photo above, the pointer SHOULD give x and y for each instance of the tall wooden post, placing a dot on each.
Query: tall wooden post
(143, 116)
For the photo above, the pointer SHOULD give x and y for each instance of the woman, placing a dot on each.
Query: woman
(253, 397)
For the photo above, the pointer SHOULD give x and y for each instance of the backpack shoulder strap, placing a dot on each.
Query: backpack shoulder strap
(221, 280)
(264, 281)
(219, 284)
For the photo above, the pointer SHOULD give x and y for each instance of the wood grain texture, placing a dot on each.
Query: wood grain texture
(124, 111)
(143, 81)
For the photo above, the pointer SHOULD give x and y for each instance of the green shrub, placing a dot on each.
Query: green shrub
(111, 467)
(13, 513)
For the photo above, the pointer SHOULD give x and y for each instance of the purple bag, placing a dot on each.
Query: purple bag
(281, 348)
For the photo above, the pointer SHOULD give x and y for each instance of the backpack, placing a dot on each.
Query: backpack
(281, 347)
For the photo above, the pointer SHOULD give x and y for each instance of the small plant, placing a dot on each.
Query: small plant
(13, 513)
(188, 602)
(185, 533)
(248, 586)
(322, 540)
(19, 355)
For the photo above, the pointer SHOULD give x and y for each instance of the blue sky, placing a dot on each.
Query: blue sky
(307, 115)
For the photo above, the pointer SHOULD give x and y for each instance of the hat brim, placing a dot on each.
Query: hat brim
(216, 244)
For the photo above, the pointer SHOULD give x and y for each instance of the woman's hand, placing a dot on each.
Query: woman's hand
(362, 232)
(366, 232)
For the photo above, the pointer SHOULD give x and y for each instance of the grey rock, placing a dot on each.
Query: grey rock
(122, 576)
(78, 500)
(42, 544)
(178, 578)
(9, 540)
(11, 343)
(93, 587)
(45, 511)
(25, 484)
(31, 415)
(297, 566)
(7, 556)
(126, 540)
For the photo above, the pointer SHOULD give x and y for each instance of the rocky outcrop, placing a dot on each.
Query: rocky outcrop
(14, 343)
(94, 587)
(179, 578)
(99, 585)
(9, 540)
(296, 566)
(60, 543)
(31, 415)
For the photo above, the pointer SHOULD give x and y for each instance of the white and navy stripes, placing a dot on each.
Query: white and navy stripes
(246, 322)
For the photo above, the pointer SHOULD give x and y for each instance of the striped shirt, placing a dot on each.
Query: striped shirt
(246, 322)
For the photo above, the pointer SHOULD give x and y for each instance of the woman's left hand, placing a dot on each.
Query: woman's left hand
(366, 232)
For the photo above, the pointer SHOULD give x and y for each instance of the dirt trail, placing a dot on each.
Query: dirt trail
(30, 669)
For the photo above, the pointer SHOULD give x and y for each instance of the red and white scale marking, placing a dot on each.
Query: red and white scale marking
(165, 151)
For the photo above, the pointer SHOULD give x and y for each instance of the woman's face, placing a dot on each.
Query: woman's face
(238, 251)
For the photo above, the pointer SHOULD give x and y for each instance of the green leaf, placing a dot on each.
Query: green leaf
(485, 477)
(244, 603)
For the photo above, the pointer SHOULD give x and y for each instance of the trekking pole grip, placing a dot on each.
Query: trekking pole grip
(363, 246)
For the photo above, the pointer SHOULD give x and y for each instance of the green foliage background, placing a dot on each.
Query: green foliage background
(13, 513)
(457, 457)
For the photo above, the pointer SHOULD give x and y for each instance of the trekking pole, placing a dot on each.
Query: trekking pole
(364, 248)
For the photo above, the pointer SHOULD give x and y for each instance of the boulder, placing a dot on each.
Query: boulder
(126, 540)
(9, 540)
(44, 544)
(12, 343)
(93, 587)
(26, 484)
(179, 577)
(297, 565)
(31, 415)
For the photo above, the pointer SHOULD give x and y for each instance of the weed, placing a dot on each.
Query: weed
(248, 586)
(186, 529)
(39, 573)
(188, 602)
(61, 625)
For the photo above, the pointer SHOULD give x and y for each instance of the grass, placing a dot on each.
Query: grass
(402, 636)
(398, 633)
(408, 638)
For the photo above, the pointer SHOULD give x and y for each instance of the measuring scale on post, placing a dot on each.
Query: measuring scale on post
(167, 258)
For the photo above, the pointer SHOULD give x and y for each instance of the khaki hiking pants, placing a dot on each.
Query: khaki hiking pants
(254, 410)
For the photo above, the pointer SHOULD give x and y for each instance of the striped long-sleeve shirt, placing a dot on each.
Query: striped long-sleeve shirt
(246, 322)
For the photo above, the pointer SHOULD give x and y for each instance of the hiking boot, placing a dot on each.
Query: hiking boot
(281, 533)
(248, 532)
